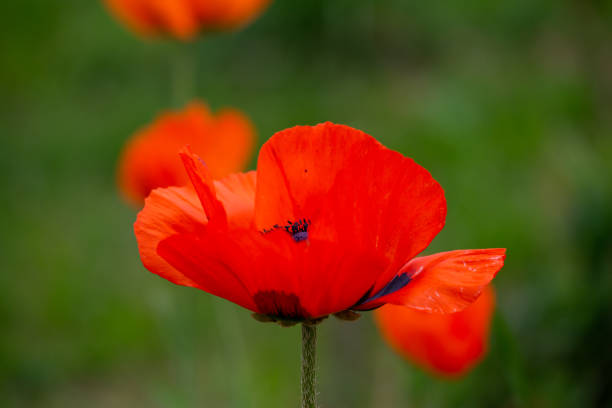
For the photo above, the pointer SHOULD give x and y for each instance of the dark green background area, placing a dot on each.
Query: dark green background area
(507, 103)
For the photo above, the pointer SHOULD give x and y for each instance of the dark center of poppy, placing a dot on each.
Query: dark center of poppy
(298, 229)
(280, 304)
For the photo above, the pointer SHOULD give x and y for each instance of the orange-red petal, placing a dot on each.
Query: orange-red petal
(176, 16)
(178, 210)
(446, 282)
(355, 191)
(183, 19)
(204, 259)
(230, 148)
(237, 193)
(298, 166)
(202, 181)
(242, 11)
(167, 212)
(446, 344)
(335, 277)
(135, 14)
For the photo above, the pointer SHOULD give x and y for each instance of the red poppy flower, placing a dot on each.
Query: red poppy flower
(150, 160)
(327, 224)
(183, 19)
(446, 344)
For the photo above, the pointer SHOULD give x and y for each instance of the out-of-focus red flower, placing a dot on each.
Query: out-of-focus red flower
(183, 19)
(329, 224)
(446, 344)
(150, 159)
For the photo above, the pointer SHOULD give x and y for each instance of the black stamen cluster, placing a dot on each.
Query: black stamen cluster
(295, 227)
(298, 229)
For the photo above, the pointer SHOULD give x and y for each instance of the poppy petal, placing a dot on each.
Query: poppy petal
(231, 143)
(237, 193)
(176, 210)
(354, 190)
(236, 263)
(167, 211)
(135, 14)
(398, 210)
(443, 283)
(203, 183)
(344, 273)
(297, 166)
(241, 11)
(203, 258)
(446, 344)
(184, 18)
(177, 17)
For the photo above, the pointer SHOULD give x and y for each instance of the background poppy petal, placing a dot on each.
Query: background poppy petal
(150, 159)
(135, 14)
(177, 17)
(446, 344)
(230, 147)
(242, 11)
(183, 19)
(446, 282)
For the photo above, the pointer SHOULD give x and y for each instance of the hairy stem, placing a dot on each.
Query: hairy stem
(309, 363)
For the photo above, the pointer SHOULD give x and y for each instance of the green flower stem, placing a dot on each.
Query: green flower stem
(309, 363)
(183, 76)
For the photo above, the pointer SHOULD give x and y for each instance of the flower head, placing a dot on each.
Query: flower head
(150, 159)
(183, 19)
(329, 223)
(445, 344)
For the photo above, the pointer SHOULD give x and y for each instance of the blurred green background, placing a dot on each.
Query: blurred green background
(507, 103)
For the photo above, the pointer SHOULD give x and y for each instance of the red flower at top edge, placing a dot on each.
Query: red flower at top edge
(445, 344)
(331, 221)
(184, 19)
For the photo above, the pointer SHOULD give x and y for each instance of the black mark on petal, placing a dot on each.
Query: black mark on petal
(397, 283)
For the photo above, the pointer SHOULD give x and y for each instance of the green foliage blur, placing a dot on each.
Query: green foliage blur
(508, 104)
